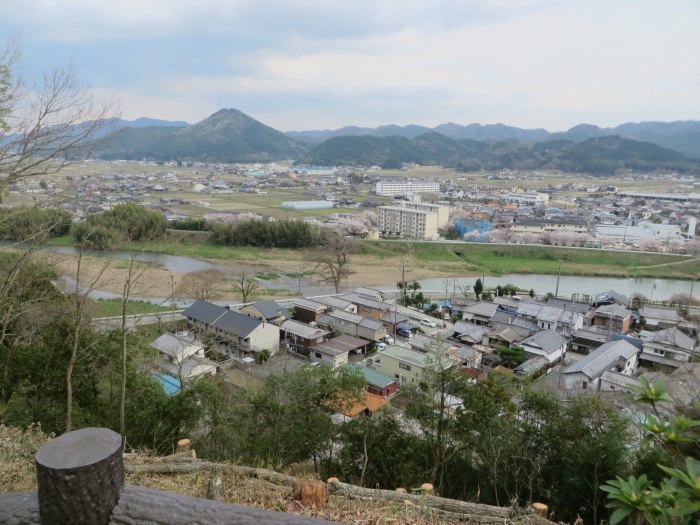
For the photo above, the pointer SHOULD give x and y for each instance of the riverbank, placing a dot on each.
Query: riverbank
(374, 263)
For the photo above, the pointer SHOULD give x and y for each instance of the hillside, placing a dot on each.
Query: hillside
(680, 136)
(226, 136)
(259, 488)
(598, 155)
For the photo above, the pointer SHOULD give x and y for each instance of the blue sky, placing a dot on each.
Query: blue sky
(313, 64)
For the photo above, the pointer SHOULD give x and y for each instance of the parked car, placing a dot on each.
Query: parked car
(389, 340)
(381, 346)
(428, 322)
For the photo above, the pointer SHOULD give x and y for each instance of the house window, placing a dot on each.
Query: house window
(366, 309)
(404, 366)
(585, 385)
(318, 355)
(658, 351)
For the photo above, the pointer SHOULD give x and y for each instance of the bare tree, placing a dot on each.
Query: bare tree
(332, 266)
(48, 127)
(83, 287)
(245, 286)
(200, 285)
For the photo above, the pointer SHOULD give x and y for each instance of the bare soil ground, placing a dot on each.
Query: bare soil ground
(155, 281)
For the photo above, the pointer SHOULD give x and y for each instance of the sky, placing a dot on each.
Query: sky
(324, 64)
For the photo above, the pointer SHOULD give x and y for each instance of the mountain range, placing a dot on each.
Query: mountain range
(232, 136)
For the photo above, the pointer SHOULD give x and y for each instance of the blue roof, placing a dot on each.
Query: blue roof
(170, 384)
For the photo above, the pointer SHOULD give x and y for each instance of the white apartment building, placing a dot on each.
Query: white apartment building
(408, 223)
(443, 212)
(529, 199)
(389, 188)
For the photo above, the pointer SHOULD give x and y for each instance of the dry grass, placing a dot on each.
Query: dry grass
(17, 474)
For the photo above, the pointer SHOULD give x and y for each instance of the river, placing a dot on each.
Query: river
(652, 288)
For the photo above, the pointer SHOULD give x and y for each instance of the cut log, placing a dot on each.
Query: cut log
(183, 445)
(311, 493)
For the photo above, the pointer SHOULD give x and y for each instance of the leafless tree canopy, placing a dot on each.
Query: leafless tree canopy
(245, 286)
(332, 264)
(45, 128)
(200, 285)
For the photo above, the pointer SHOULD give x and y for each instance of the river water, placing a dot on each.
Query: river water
(652, 288)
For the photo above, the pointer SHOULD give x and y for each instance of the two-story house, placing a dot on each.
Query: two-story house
(615, 356)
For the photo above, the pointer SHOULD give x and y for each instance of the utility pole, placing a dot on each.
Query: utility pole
(403, 281)
(556, 292)
(172, 296)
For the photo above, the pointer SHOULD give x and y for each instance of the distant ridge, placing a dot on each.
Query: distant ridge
(681, 136)
(230, 135)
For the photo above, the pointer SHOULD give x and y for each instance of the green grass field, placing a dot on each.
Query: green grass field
(113, 308)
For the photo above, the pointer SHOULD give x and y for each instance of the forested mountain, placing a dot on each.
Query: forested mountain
(681, 136)
(595, 155)
(232, 136)
(226, 136)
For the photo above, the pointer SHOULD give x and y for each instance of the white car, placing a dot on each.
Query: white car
(381, 346)
(428, 322)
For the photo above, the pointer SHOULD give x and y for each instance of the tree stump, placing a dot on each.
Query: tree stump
(540, 509)
(311, 493)
(80, 476)
(183, 445)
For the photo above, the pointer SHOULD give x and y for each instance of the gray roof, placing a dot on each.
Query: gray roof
(482, 309)
(603, 358)
(613, 310)
(530, 309)
(550, 314)
(672, 337)
(576, 306)
(204, 312)
(308, 304)
(611, 296)
(237, 324)
(303, 330)
(663, 314)
(365, 300)
(340, 345)
(548, 340)
(372, 324)
(335, 302)
(270, 309)
(173, 345)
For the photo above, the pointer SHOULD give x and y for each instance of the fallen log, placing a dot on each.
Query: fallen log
(474, 512)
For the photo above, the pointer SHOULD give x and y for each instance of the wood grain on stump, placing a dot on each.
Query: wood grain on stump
(80, 476)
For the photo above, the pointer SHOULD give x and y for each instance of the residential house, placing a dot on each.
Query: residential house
(612, 381)
(367, 306)
(366, 406)
(181, 356)
(618, 356)
(202, 314)
(335, 352)
(613, 317)
(377, 383)
(661, 317)
(670, 347)
(308, 311)
(268, 311)
(353, 324)
(611, 297)
(470, 333)
(408, 366)
(300, 336)
(479, 313)
(548, 344)
(585, 340)
(238, 333)
(336, 303)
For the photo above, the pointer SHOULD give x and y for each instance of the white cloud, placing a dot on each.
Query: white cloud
(539, 63)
